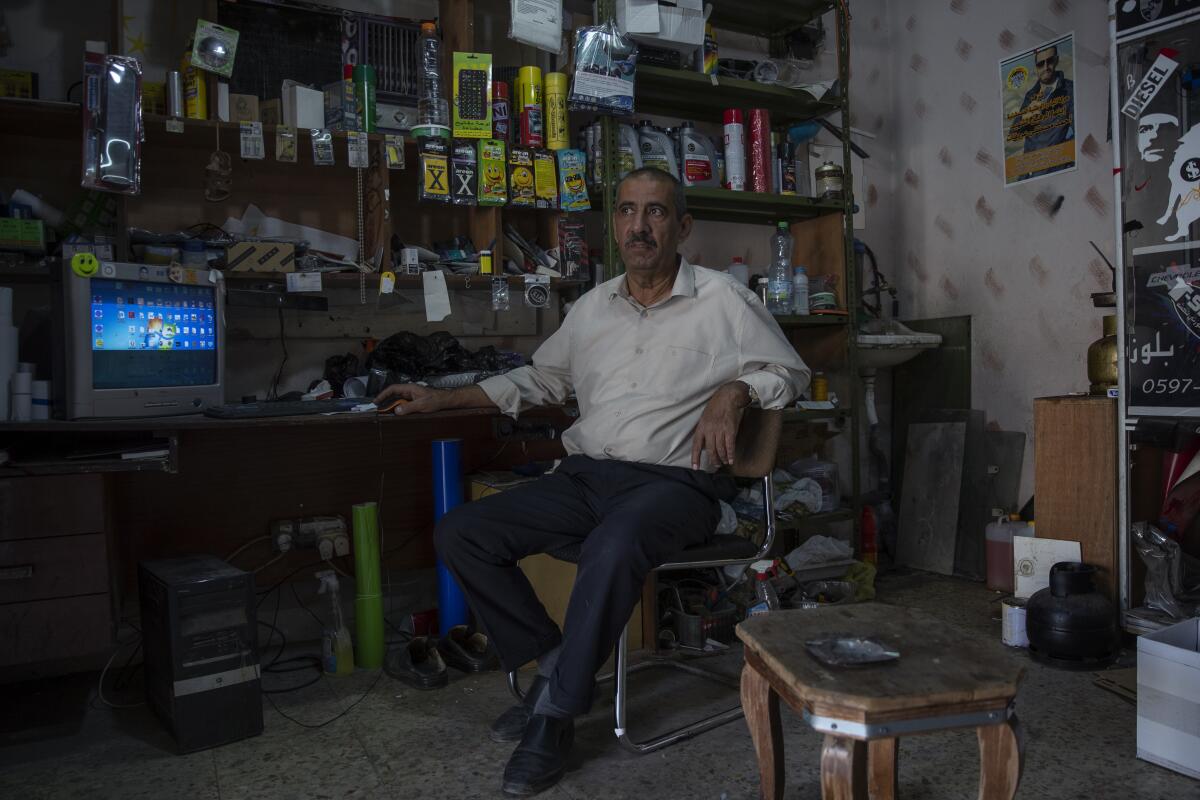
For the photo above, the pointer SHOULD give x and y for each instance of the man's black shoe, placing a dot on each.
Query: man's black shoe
(510, 726)
(540, 760)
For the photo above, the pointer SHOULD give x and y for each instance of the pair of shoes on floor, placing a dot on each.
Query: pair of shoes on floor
(540, 760)
(466, 650)
(417, 663)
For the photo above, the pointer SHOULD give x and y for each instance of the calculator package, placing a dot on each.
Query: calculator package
(605, 67)
(463, 172)
(522, 193)
(112, 123)
(492, 168)
(473, 95)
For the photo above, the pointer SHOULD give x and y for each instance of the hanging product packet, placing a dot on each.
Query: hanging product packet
(605, 68)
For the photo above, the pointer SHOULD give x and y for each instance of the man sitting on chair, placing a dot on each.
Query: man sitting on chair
(662, 361)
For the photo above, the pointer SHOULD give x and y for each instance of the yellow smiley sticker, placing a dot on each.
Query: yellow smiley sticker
(85, 265)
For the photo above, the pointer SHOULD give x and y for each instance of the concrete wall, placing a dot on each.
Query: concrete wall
(961, 243)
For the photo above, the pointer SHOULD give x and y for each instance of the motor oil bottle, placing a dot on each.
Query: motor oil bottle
(699, 157)
(656, 148)
(629, 151)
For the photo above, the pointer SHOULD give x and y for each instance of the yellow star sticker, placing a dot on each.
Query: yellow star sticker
(137, 44)
(125, 20)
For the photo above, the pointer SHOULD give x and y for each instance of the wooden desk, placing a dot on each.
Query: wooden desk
(226, 481)
(944, 679)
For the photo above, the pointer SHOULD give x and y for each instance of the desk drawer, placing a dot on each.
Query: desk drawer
(46, 630)
(62, 566)
(58, 505)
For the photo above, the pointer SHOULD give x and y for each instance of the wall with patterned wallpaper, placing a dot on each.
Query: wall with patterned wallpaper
(1017, 260)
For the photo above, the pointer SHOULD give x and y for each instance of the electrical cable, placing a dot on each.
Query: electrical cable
(274, 394)
(274, 560)
(248, 544)
(103, 672)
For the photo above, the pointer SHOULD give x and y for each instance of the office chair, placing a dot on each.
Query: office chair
(754, 457)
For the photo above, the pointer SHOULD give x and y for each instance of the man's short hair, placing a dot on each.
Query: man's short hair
(662, 176)
(1053, 47)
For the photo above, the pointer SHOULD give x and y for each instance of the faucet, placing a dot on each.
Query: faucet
(879, 286)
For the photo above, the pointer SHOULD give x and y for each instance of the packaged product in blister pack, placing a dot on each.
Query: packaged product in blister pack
(112, 123)
(605, 67)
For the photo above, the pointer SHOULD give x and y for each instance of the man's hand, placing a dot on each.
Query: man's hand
(716, 432)
(414, 399)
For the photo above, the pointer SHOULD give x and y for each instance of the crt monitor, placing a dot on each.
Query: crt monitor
(143, 340)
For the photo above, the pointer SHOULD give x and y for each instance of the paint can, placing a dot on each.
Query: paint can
(1013, 622)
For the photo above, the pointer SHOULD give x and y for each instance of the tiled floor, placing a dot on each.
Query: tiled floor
(400, 743)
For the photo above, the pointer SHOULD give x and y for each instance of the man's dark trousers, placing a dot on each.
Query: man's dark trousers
(622, 518)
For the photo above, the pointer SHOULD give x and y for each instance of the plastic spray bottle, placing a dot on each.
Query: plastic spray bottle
(764, 590)
(337, 649)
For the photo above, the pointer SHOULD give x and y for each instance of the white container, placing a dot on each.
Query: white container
(698, 156)
(41, 400)
(629, 151)
(1012, 625)
(800, 291)
(1168, 693)
(657, 149)
(303, 107)
(739, 271)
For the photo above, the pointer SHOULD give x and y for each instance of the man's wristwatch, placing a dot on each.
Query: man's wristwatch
(752, 393)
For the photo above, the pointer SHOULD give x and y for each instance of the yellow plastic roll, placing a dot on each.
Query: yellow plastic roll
(558, 131)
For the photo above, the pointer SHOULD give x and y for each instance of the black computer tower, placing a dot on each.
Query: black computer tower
(200, 637)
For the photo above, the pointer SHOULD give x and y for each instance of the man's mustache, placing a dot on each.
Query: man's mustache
(639, 238)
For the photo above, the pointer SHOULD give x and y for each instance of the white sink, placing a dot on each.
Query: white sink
(888, 344)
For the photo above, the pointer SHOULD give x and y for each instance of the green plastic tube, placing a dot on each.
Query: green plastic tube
(368, 603)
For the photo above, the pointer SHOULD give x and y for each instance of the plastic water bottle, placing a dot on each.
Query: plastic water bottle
(764, 590)
(779, 279)
(800, 291)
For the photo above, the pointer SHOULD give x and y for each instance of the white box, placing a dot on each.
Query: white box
(1168, 697)
(303, 107)
(674, 24)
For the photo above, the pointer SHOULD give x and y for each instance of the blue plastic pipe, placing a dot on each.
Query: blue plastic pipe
(448, 493)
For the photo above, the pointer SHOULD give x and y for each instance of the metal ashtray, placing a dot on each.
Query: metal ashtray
(841, 650)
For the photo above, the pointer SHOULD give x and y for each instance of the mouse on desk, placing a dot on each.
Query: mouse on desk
(391, 405)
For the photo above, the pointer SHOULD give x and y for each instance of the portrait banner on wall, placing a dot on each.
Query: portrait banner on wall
(1038, 111)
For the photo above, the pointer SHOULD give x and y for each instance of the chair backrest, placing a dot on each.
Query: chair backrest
(757, 443)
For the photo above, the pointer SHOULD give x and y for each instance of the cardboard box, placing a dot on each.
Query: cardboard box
(260, 257)
(271, 112)
(341, 113)
(1168, 694)
(243, 108)
(677, 25)
(303, 107)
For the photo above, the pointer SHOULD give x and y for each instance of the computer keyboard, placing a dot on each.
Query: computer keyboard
(283, 408)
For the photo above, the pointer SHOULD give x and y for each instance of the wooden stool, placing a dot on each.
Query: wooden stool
(944, 679)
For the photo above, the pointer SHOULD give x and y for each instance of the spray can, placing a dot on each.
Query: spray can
(558, 128)
(758, 158)
(195, 86)
(364, 96)
(735, 151)
(529, 103)
(787, 184)
(501, 128)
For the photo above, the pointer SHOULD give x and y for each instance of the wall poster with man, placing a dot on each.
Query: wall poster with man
(1038, 111)
(1158, 111)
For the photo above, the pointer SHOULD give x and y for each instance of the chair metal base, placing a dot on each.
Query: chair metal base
(620, 678)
